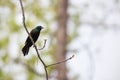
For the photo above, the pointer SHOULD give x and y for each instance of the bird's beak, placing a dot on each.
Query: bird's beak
(42, 27)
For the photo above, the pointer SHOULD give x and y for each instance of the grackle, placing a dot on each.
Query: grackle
(34, 34)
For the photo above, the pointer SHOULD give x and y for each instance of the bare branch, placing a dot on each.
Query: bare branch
(60, 61)
(32, 39)
(43, 45)
(45, 66)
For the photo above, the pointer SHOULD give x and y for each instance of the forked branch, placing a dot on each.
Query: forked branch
(23, 15)
(45, 66)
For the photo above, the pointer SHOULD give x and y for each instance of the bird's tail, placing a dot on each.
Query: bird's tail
(25, 50)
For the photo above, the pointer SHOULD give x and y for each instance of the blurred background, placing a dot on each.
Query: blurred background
(88, 29)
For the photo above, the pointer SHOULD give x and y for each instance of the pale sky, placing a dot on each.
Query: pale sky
(98, 41)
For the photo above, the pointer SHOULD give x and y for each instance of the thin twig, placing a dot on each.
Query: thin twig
(45, 66)
(60, 61)
(43, 45)
(32, 39)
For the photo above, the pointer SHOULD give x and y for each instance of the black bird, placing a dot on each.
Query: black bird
(34, 34)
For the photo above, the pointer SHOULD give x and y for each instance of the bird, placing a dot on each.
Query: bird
(28, 43)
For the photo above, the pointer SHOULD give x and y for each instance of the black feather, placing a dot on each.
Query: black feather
(28, 43)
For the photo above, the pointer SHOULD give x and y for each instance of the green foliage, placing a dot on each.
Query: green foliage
(72, 36)
(35, 13)
(31, 61)
(4, 42)
(50, 69)
(31, 76)
(5, 76)
(14, 27)
(7, 3)
(76, 19)
(1, 73)
(5, 58)
(30, 23)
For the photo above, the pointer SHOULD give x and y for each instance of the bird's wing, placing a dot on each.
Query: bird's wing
(34, 36)
(28, 39)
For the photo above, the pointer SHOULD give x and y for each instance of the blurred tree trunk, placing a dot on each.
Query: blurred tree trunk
(61, 38)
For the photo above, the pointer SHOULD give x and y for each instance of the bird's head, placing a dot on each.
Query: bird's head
(39, 27)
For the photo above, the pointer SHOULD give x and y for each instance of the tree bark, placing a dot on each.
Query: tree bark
(61, 37)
